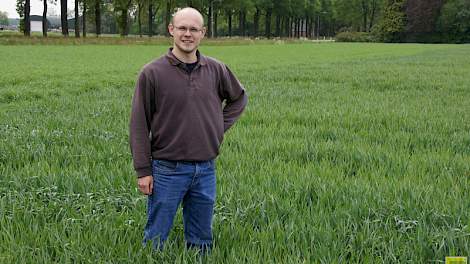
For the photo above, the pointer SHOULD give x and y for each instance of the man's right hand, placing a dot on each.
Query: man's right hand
(145, 184)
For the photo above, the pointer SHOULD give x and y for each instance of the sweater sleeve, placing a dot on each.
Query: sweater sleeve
(139, 126)
(235, 97)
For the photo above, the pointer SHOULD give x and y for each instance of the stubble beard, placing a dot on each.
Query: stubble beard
(186, 49)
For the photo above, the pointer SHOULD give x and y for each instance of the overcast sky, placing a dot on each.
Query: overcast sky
(36, 7)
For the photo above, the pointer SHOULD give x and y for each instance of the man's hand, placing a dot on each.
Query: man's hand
(145, 184)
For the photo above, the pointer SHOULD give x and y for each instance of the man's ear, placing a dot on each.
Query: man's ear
(204, 30)
(170, 29)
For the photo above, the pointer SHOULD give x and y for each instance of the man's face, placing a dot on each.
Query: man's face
(187, 31)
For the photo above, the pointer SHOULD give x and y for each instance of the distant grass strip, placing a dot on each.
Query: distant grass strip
(14, 38)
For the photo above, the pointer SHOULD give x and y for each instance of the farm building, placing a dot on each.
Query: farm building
(36, 23)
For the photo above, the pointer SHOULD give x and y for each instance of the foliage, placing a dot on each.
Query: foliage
(392, 24)
(347, 153)
(361, 15)
(20, 10)
(121, 10)
(387, 20)
(454, 21)
(4, 18)
(348, 36)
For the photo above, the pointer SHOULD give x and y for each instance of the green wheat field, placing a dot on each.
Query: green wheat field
(346, 153)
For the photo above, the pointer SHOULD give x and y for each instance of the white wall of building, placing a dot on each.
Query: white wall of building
(36, 26)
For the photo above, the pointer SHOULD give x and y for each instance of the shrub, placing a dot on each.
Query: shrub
(353, 37)
(392, 25)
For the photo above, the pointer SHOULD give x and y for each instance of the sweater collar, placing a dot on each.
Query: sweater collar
(201, 60)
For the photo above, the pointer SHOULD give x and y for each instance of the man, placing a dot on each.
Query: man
(177, 125)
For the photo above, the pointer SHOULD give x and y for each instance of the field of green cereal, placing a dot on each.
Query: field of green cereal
(346, 153)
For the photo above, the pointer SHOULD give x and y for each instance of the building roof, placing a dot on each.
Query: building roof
(37, 18)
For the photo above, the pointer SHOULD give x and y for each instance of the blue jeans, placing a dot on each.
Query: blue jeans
(193, 184)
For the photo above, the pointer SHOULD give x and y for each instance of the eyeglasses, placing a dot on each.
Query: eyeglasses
(192, 30)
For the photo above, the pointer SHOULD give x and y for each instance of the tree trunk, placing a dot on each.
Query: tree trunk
(84, 18)
(167, 16)
(139, 19)
(229, 18)
(312, 28)
(296, 28)
(267, 28)
(98, 17)
(278, 25)
(299, 27)
(286, 26)
(240, 22)
(289, 27)
(123, 23)
(256, 22)
(27, 20)
(77, 22)
(215, 24)
(364, 15)
(292, 27)
(44, 19)
(318, 26)
(63, 17)
(150, 14)
(244, 23)
(372, 15)
(307, 34)
(209, 20)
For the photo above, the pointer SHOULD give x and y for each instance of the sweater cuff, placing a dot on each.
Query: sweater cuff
(144, 172)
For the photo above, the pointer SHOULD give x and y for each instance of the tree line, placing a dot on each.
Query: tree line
(382, 20)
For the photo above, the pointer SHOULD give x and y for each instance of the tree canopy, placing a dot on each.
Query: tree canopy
(383, 20)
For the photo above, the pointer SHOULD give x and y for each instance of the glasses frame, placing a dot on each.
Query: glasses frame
(192, 30)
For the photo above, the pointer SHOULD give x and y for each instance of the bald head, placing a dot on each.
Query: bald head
(187, 12)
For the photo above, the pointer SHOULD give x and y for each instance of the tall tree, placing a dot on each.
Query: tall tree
(241, 21)
(44, 18)
(267, 25)
(229, 14)
(216, 15)
(280, 9)
(121, 7)
(98, 17)
(374, 10)
(357, 15)
(153, 7)
(242, 6)
(454, 21)
(77, 22)
(256, 16)
(140, 7)
(27, 20)
(168, 13)
(63, 17)
(422, 15)
(210, 26)
(23, 8)
(392, 24)
(4, 18)
(228, 7)
(84, 2)
(20, 10)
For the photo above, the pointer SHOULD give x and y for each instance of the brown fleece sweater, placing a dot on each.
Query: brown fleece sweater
(178, 114)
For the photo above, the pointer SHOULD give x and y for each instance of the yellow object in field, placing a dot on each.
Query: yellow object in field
(456, 260)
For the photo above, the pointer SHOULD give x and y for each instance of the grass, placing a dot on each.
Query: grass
(54, 38)
(347, 153)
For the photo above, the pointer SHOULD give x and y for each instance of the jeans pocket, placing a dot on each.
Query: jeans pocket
(167, 165)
